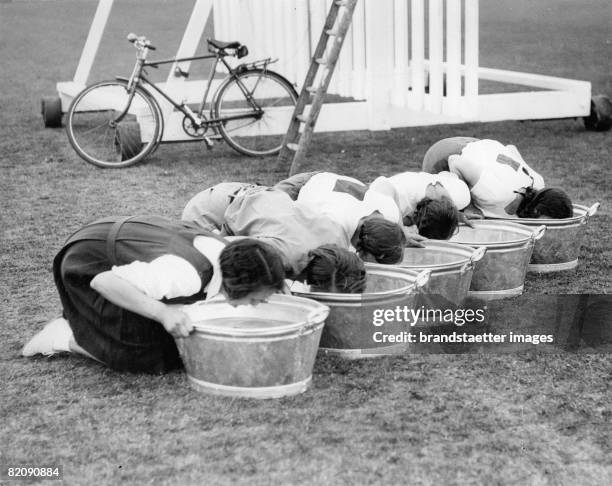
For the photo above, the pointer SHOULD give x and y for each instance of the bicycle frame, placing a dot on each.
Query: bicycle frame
(119, 123)
(138, 77)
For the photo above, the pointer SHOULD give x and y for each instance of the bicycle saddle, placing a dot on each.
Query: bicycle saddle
(223, 45)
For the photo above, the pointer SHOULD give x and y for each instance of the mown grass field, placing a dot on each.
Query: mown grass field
(527, 418)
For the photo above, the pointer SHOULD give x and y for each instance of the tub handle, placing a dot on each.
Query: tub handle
(422, 278)
(466, 267)
(478, 254)
(317, 315)
(539, 232)
(592, 211)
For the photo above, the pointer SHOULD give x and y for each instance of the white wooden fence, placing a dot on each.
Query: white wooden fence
(404, 62)
(389, 47)
(414, 62)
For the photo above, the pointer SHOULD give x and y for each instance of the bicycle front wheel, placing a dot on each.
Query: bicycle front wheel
(99, 134)
(255, 127)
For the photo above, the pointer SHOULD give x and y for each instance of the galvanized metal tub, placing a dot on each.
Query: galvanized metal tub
(262, 351)
(349, 330)
(559, 249)
(501, 272)
(451, 265)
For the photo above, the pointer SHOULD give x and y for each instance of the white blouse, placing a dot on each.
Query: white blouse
(408, 188)
(504, 173)
(323, 194)
(171, 276)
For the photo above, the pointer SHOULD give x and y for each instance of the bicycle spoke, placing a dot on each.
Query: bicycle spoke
(259, 78)
(97, 136)
(94, 128)
(262, 134)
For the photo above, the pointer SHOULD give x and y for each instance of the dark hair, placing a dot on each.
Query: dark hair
(335, 269)
(436, 218)
(248, 265)
(553, 203)
(383, 239)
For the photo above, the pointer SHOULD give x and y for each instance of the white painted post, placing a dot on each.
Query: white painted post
(358, 83)
(279, 40)
(345, 73)
(317, 19)
(318, 14)
(471, 57)
(417, 61)
(436, 48)
(267, 24)
(453, 57)
(379, 55)
(234, 33)
(343, 66)
(222, 14)
(220, 18)
(289, 45)
(256, 43)
(246, 29)
(93, 42)
(302, 38)
(400, 71)
(333, 84)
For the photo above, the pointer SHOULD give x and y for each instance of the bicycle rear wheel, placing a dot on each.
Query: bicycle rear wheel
(261, 132)
(100, 137)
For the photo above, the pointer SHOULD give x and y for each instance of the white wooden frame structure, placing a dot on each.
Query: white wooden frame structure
(390, 74)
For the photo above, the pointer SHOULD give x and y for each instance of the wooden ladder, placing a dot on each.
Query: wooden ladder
(325, 57)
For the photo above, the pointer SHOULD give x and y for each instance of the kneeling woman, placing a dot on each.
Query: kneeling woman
(501, 184)
(207, 208)
(371, 221)
(312, 247)
(117, 277)
(431, 202)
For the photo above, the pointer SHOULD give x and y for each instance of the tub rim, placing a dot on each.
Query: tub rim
(470, 255)
(585, 213)
(418, 280)
(530, 234)
(314, 318)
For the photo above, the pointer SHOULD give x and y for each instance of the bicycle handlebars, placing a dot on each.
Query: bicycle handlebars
(140, 42)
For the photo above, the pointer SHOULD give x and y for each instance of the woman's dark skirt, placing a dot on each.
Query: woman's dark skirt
(119, 338)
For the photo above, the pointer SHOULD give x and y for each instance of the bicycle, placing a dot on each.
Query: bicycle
(118, 123)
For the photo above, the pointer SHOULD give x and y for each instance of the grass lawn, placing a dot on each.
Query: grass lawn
(526, 418)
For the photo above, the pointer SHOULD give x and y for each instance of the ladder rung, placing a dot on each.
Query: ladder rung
(322, 61)
(332, 32)
(293, 146)
(302, 118)
(312, 89)
(342, 3)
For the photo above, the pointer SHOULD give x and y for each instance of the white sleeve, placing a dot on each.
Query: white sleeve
(454, 161)
(384, 186)
(513, 152)
(458, 190)
(318, 186)
(471, 170)
(167, 276)
(538, 180)
(375, 201)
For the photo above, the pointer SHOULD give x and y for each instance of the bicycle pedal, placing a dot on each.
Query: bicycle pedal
(209, 143)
